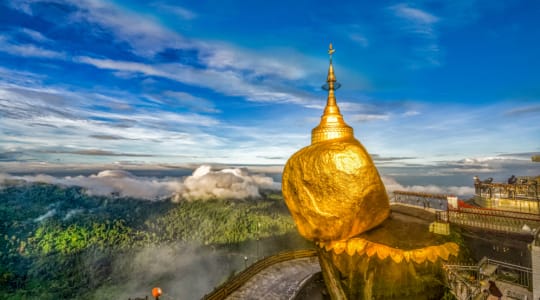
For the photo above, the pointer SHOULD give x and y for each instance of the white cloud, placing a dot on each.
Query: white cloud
(37, 102)
(35, 35)
(411, 113)
(226, 183)
(55, 123)
(23, 6)
(61, 120)
(75, 136)
(15, 77)
(414, 15)
(71, 213)
(346, 106)
(369, 117)
(519, 111)
(28, 50)
(177, 10)
(187, 100)
(203, 184)
(359, 39)
(229, 69)
(501, 166)
(147, 36)
(46, 215)
(121, 66)
(227, 82)
(480, 160)
(422, 25)
(392, 185)
(160, 119)
(283, 63)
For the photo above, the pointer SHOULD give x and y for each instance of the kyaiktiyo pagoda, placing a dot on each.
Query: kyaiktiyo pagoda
(338, 200)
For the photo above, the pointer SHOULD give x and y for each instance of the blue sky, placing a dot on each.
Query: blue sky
(425, 83)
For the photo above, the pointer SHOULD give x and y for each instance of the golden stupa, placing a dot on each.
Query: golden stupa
(332, 187)
(337, 199)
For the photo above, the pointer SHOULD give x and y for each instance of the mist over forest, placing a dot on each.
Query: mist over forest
(114, 234)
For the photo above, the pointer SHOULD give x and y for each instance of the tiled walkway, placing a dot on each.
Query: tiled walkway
(280, 281)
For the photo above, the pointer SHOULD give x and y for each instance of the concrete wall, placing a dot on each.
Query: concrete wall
(535, 255)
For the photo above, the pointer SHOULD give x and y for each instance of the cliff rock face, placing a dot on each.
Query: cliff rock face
(334, 191)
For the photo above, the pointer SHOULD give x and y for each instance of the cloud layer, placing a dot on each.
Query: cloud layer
(462, 191)
(203, 184)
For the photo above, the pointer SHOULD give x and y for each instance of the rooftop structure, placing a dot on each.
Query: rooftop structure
(517, 194)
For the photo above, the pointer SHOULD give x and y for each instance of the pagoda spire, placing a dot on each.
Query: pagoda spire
(332, 125)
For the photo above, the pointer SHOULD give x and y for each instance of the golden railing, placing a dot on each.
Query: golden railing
(241, 278)
(521, 191)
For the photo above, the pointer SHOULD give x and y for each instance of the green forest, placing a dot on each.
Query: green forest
(60, 243)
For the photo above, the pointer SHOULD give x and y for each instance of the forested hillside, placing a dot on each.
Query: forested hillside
(59, 243)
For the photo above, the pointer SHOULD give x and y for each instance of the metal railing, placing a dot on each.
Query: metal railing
(422, 200)
(420, 194)
(515, 191)
(491, 220)
(236, 281)
(441, 216)
(511, 273)
(499, 213)
(464, 278)
(462, 287)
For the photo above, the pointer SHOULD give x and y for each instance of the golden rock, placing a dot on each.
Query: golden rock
(332, 187)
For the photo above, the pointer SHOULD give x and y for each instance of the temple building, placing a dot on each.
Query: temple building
(517, 194)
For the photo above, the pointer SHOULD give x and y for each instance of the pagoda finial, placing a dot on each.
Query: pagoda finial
(331, 83)
(332, 125)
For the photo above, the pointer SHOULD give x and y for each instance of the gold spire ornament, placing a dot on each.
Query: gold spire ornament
(331, 51)
(332, 187)
(332, 125)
